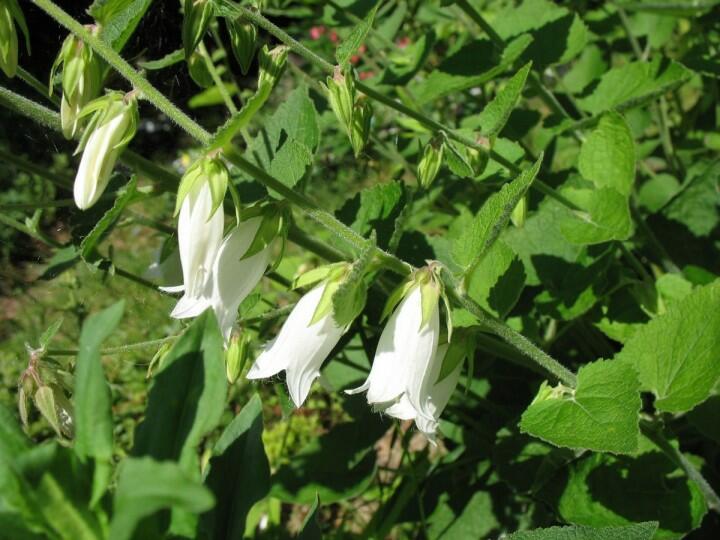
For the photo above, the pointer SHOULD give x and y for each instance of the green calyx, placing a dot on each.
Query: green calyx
(354, 114)
(272, 65)
(275, 222)
(431, 161)
(104, 109)
(10, 15)
(210, 169)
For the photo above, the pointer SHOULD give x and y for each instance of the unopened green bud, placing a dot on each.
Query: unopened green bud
(361, 121)
(198, 14)
(243, 38)
(81, 80)
(236, 356)
(272, 65)
(210, 169)
(199, 72)
(158, 358)
(341, 95)
(10, 14)
(519, 213)
(479, 158)
(431, 160)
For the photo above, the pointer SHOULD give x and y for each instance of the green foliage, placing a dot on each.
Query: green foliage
(600, 414)
(549, 170)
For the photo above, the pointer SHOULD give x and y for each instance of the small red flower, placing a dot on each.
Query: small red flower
(316, 32)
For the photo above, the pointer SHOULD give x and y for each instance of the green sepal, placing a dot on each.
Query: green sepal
(519, 213)
(198, 14)
(65, 50)
(429, 298)
(360, 130)
(350, 298)
(206, 169)
(102, 109)
(460, 348)
(333, 280)
(236, 356)
(243, 41)
(272, 65)
(341, 96)
(17, 14)
(274, 224)
(396, 296)
(315, 275)
(431, 160)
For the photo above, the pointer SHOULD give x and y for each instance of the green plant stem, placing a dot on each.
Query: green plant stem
(116, 350)
(227, 98)
(324, 218)
(123, 68)
(653, 432)
(21, 227)
(36, 85)
(36, 112)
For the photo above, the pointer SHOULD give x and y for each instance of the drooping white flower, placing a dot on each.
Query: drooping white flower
(109, 133)
(301, 347)
(234, 276)
(200, 229)
(405, 350)
(407, 363)
(438, 397)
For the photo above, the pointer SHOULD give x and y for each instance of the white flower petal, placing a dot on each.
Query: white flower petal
(98, 160)
(402, 409)
(424, 365)
(300, 348)
(198, 242)
(233, 277)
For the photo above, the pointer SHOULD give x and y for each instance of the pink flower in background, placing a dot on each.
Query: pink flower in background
(316, 32)
(355, 58)
(403, 42)
(366, 75)
(333, 36)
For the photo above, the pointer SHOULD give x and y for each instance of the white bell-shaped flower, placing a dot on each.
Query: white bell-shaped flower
(438, 397)
(405, 354)
(110, 134)
(234, 276)
(199, 237)
(301, 347)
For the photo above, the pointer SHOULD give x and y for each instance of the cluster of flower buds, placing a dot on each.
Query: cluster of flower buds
(82, 72)
(10, 14)
(112, 126)
(431, 161)
(354, 114)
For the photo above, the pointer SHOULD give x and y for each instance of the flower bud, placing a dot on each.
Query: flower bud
(272, 65)
(236, 356)
(341, 95)
(112, 127)
(519, 213)
(360, 131)
(10, 14)
(198, 14)
(243, 39)
(431, 160)
(199, 72)
(81, 81)
(479, 158)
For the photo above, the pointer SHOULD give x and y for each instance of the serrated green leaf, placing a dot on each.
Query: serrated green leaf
(603, 490)
(49, 333)
(457, 162)
(496, 113)
(474, 241)
(352, 42)
(697, 205)
(607, 156)
(636, 81)
(146, 486)
(374, 209)
(498, 280)
(118, 19)
(636, 531)
(600, 414)
(676, 354)
(474, 64)
(604, 215)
